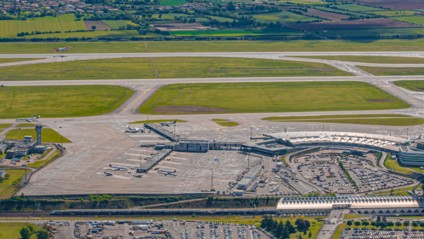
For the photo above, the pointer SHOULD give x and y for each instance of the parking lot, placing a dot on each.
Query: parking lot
(155, 229)
(340, 172)
(376, 234)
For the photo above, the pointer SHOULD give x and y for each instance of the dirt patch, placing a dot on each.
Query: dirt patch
(99, 25)
(185, 109)
(393, 4)
(380, 100)
(326, 15)
(353, 24)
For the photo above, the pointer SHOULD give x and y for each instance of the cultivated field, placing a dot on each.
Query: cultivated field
(215, 46)
(411, 85)
(326, 15)
(48, 135)
(393, 4)
(387, 120)
(393, 71)
(353, 24)
(10, 28)
(167, 67)
(60, 101)
(373, 59)
(268, 97)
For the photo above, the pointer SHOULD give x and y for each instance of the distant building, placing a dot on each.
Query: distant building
(192, 146)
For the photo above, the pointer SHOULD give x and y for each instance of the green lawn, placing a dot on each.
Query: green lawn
(394, 165)
(172, 2)
(393, 71)
(388, 120)
(126, 34)
(411, 85)
(6, 187)
(373, 59)
(216, 46)
(67, 22)
(225, 122)
(4, 126)
(357, 8)
(166, 67)
(48, 135)
(61, 101)
(10, 230)
(268, 97)
(7, 60)
(40, 163)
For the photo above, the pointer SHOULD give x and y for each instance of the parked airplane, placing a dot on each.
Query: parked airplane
(108, 173)
(168, 123)
(132, 130)
(30, 119)
(62, 48)
(118, 168)
(167, 171)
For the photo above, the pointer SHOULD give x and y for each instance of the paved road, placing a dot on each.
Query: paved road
(331, 222)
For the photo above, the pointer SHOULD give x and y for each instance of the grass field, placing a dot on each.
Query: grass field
(11, 230)
(388, 120)
(357, 8)
(268, 97)
(167, 67)
(395, 13)
(411, 85)
(61, 101)
(48, 135)
(6, 187)
(9, 28)
(4, 126)
(216, 46)
(126, 34)
(394, 165)
(157, 121)
(393, 71)
(172, 2)
(7, 60)
(41, 163)
(373, 59)
(225, 122)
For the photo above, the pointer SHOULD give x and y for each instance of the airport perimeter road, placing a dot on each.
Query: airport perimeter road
(331, 222)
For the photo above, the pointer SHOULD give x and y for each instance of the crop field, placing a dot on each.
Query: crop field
(215, 46)
(419, 20)
(393, 71)
(411, 85)
(283, 17)
(9, 28)
(48, 135)
(373, 59)
(115, 24)
(61, 101)
(395, 13)
(357, 8)
(326, 15)
(393, 4)
(268, 97)
(387, 120)
(6, 187)
(353, 24)
(166, 67)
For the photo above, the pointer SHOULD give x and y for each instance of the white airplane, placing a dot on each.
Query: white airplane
(62, 48)
(132, 130)
(167, 171)
(118, 168)
(30, 119)
(168, 123)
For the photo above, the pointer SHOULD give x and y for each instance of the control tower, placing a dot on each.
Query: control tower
(38, 129)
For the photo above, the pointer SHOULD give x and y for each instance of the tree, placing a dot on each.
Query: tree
(93, 27)
(42, 234)
(349, 223)
(25, 233)
(310, 234)
(231, 6)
